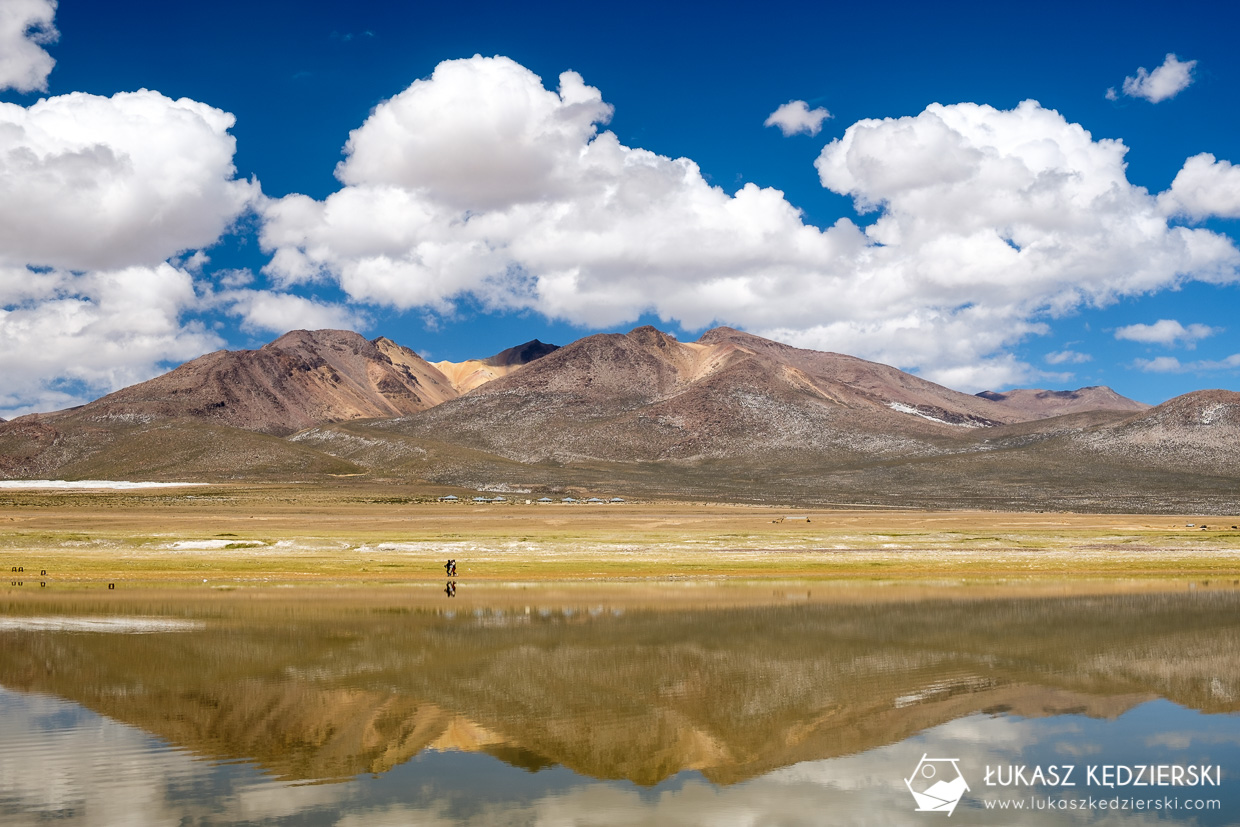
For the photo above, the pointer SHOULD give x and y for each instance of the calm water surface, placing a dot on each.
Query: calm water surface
(799, 705)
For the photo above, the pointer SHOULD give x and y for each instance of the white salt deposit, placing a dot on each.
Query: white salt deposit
(203, 545)
(909, 409)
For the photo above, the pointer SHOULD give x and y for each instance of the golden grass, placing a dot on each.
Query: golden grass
(367, 533)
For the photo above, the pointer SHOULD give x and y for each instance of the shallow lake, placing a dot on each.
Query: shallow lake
(678, 704)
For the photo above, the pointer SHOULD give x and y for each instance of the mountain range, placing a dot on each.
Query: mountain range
(730, 416)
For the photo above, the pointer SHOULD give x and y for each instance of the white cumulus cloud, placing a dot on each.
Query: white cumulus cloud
(25, 28)
(1167, 332)
(533, 207)
(478, 134)
(1167, 81)
(268, 311)
(997, 218)
(1204, 187)
(98, 193)
(481, 181)
(796, 116)
(94, 182)
(1067, 357)
(65, 337)
(1170, 364)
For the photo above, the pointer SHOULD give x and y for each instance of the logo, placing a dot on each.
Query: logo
(937, 785)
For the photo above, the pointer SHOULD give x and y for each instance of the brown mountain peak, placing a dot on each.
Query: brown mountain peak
(1207, 407)
(303, 378)
(397, 353)
(521, 354)
(651, 336)
(384, 343)
(720, 332)
(1038, 403)
(317, 339)
(724, 334)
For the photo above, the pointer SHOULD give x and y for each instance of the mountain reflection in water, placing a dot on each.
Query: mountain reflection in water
(711, 695)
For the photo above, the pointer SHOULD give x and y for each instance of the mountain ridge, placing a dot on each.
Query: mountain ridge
(730, 416)
(300, 379)
(1038, 403)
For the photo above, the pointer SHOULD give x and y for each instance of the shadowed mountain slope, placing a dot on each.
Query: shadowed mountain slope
(155, 449)
(1038, 404)
(521, 354)
(742, 434)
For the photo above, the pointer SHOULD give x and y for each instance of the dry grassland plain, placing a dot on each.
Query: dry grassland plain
(238, 536)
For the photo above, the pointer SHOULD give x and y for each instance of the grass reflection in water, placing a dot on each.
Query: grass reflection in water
(324, 686)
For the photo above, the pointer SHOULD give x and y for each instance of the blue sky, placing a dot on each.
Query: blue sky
(932, 221)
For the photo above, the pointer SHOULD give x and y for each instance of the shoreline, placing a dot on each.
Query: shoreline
(579, 600)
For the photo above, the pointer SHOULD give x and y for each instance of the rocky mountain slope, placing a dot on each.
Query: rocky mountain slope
(735, 416)
(210, 415)
(644, 396)
(301, 379)
(1199, 431)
